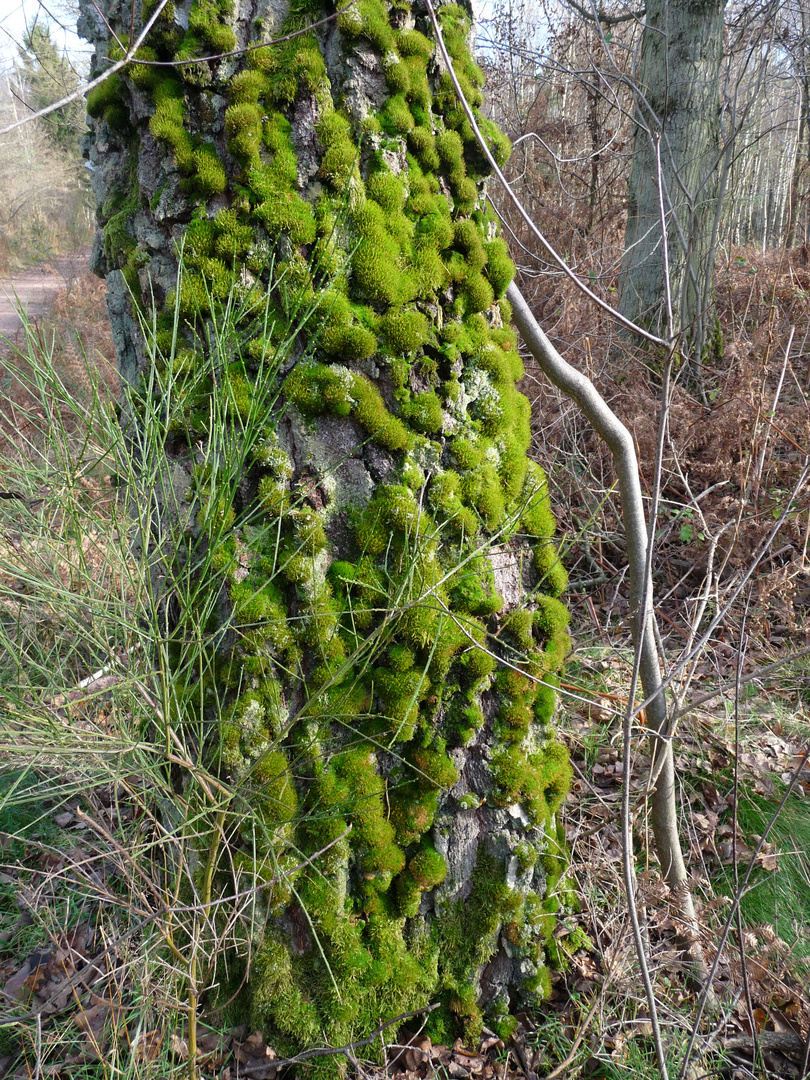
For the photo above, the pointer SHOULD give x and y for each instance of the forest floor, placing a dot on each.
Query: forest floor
(735, 755)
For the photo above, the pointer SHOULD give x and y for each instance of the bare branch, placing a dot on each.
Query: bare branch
(82, 90)
(601, 17)
(130, 57)
(617, 315)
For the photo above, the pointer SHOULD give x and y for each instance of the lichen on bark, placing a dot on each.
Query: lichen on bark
(387, 561)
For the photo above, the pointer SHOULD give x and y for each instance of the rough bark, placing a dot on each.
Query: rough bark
(387, 560)
(678, 106)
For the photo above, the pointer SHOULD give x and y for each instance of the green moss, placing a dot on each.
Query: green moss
(199, 237)
(551, 617)
(279, 799)
(288, 213)
(144, 76)
(477, 293)
(369, 20)
(344, 339)
(276, 994)
(243, 125)
(340, 158)
(428, 867)
(537, 519)
(467, 239)
(486, 495)
(378, 850)
(423, 145)
(377, 262)
(396, 117)
(247, 86)
(412, 43)
(105, 102)
(398, 78)
(500, 268)
(404, 331)
(413, 811)
(209, 175)
(548, 780)
(518, 625)
(393, 506)
(553, 575)
(434, 766)
(545, 702)
(290, 64)
(370, 411)
(388, 190)
(424, 412)
(317, 388)
(206, 21)
(498, 143)
(467, 934)
(167, 123)
(451, 151)
(119, 242)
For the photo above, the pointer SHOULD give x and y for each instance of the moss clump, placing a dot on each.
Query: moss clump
(404, 331)
(167, 124)
(371, 412)
(208, 27)
(396, 117)
(317, 388)
(377, 260)
(209, 172)
(500, 268)
(428, 867)
(387, 190)
(553, 575)
(105, 102)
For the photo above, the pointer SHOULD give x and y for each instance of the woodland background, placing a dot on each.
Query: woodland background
(561, 85)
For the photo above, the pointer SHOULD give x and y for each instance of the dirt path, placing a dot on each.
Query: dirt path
(37, 288)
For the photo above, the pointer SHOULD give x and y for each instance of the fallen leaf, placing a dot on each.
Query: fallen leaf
(178, 1046)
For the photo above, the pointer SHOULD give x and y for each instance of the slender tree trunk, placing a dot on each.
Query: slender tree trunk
(677, 103)
(386, 556)
(800, 160)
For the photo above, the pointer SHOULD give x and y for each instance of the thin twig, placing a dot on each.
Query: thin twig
(734, 823)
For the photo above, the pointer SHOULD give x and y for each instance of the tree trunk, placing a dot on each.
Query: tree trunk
(795, 228)
(388, 574)
(677, 102)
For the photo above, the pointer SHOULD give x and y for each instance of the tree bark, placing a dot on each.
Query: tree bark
(387, 572)
(677, 103)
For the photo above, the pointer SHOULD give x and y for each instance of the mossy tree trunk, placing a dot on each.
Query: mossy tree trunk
(389, 574)
(678, 125)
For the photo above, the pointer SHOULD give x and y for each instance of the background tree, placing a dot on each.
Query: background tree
(674, 173)
(44, 75)
(46, 206)
(383, 543)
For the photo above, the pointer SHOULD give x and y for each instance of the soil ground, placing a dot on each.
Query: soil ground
(37, 288)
